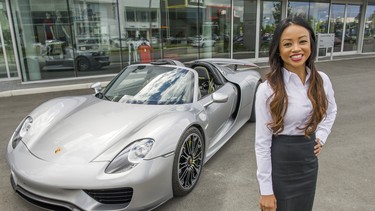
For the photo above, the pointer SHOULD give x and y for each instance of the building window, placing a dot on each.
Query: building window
(345, 24)
(369, 32)
(244, 28)
(64, 40)
(270, 16)
(316, 13)
(130, 14)
(8, 68)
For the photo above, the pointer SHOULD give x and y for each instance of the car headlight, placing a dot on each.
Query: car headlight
(129, 157)
(21, 131)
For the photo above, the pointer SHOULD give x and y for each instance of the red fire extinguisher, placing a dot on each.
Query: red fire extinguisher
(144, 52)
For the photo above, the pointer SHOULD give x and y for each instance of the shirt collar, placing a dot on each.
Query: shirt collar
(288, 74)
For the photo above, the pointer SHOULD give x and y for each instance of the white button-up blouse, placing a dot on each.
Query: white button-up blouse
(299, 108)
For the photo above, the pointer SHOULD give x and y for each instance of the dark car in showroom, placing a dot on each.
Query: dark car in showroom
(55, 55)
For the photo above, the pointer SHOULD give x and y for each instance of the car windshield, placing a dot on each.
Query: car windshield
(156, 85)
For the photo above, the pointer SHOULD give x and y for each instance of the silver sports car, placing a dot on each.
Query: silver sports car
(135, 144)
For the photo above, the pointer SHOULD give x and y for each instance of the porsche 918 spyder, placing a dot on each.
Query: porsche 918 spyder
(135, 144)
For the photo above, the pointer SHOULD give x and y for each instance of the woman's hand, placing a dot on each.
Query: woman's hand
(318, 147)
(267, 203)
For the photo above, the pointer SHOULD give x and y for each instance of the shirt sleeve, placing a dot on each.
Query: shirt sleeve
(263, 139)
(324, 127)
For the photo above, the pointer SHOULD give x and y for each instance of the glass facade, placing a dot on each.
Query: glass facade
(352, 27)
(8, 67)
(369, 29)
(316, 12)
(345, 24)
(244, 28)
(270, 16)
(78, 38)
(62, 39)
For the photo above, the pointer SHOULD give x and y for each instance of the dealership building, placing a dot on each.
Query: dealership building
(48, 40)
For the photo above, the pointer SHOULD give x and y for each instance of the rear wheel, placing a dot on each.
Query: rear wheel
(83, 64)
(188, 162)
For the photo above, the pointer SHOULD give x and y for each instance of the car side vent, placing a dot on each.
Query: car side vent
(112, 196)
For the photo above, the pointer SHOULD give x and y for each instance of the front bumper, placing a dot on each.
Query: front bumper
(53, 185)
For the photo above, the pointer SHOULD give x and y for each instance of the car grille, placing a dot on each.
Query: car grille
(112, 196)
(40, 201)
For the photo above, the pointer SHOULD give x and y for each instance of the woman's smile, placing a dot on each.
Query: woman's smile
(295, 48)
(296, 57)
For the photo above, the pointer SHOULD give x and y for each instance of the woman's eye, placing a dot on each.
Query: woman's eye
(303, 41)
(287, 44)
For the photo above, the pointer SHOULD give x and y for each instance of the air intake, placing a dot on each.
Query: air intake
(112, 196)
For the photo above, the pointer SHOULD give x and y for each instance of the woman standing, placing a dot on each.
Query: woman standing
(295, 110)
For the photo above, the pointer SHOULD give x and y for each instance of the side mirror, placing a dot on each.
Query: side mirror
(217, 98)
(97, 87)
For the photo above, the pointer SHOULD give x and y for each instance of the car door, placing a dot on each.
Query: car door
(219, 114)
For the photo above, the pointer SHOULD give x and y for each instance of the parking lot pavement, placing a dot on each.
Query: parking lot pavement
(346, 180)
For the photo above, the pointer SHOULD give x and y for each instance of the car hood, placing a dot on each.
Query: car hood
(78, 129)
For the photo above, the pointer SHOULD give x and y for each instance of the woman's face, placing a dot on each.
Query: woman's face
(294, 47)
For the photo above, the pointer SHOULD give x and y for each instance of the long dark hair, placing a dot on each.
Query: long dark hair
(316, 93)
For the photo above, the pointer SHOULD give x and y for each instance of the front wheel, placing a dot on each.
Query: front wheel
(188, 162)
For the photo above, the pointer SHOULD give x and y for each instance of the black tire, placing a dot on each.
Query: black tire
(188, 162)
(252, 116)
(83, 64)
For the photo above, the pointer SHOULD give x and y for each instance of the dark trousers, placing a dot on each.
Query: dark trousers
(294, 172)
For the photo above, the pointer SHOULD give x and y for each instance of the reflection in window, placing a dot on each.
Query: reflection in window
(337, 25)
(216, 28)
(369, 33)
(316, 13)
(140, 31)
(65, 39)
(346, 29)
(244, 28)
(352, 27)
(8, 68)
(270, 16)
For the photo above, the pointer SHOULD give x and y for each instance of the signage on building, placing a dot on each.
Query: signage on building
(195, 2)
(185, 3)
(176, 3)
(325, 41)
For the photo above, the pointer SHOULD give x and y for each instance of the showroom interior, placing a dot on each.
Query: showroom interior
(47, 40)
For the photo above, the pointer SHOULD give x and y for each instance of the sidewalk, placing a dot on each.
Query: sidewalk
(15, 87)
